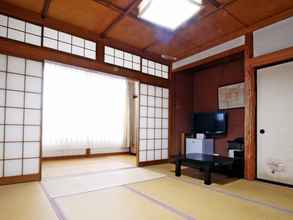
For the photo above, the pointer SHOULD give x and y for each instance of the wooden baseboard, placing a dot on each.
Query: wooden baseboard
(154, 162)
(69, 157)
(19, 179)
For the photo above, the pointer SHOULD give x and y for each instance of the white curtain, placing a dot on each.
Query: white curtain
(83, 109)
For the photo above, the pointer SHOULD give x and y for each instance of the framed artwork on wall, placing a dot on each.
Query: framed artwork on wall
(231, 96)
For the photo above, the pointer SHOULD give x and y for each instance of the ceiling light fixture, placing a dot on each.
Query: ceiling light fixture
(168, 13)
(167, 57)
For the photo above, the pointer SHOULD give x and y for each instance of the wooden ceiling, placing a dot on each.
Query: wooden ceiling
(117, 20)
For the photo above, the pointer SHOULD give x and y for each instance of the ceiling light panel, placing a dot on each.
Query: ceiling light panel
(168, 13)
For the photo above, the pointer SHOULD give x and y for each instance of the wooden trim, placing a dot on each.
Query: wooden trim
(276, 183)
(19, 179)
(125, 13)
(150, 163)
(46, 7)
(15, 48)
(271, 58)
(213, 58)
(83, 156)
(250, 112)
(171, 118)
(33, 17)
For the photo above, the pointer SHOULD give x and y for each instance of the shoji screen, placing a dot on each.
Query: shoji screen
(68, 43)
(20, 116)
(20, 30)
(153, 132)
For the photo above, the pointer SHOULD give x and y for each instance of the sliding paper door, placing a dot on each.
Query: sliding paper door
(154, 123)
(274, 123)
(20, 117)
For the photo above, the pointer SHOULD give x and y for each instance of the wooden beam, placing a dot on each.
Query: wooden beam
(125, 13)
(215, 3)
(110, 5)
(271, 58)
(46, 7)
(250, 112)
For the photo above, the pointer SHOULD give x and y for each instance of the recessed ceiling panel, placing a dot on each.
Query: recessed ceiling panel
(122, 3)
(87, 14)
(200, 33)
(169, 48)
(32, 5)
(134, 33)
(252, 11)
(211, 27)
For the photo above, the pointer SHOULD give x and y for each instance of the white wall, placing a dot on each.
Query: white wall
(273, 37)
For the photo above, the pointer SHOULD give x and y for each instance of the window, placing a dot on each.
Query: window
(156, 69)
(130, 61)
(20, 30)
(68, 43)
(83, 109)
(121, 58)
(168, 13)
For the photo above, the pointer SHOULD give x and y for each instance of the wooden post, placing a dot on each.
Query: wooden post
(250, 111)
(183, 144)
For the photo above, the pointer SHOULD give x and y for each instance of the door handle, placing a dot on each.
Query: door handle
(262, 131)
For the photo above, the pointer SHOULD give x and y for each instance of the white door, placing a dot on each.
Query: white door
(275, 123)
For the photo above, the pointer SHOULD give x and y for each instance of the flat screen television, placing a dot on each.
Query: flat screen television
(210, 123)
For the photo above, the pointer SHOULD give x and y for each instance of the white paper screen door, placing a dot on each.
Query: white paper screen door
(275, 123)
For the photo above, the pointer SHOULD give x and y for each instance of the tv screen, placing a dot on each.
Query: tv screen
(210, 123)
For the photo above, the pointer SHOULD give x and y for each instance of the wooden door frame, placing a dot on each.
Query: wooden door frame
(251, 65)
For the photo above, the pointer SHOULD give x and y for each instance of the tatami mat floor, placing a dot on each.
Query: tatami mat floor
(161, 197)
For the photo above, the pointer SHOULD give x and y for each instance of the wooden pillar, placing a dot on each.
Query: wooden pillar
(183, 144)
(250, 111)
(171, 142)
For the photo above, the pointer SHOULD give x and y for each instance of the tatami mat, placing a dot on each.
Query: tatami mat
(81, 169)
(116, 190)
(202, 203)
(57, 187)
(272, 194)
(25, 201)
(60, 168)
(115, 203)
